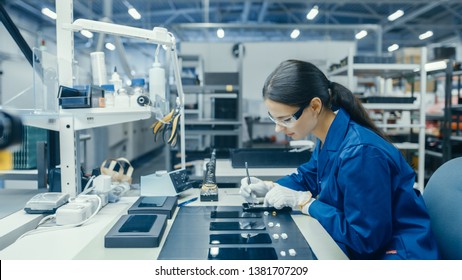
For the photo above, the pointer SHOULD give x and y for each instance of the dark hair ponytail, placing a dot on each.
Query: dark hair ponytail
(296, 83)
(344, 98)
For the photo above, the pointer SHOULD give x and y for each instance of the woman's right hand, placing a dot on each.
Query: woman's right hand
(255, 190)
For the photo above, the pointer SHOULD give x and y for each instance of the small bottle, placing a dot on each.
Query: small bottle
(122, 100)
(115, 80)
(109, 95)
(157, 82)
(138, 90)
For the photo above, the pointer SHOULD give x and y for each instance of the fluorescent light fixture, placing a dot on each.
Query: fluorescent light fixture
(426, 35)
(312, 13)
(110, 46)
(361, 34)
(134, 13)
(86, 33)
(393, 48)
(49, 13)
(220, 33)
(396, 15)
(437, 65)
(295, 33)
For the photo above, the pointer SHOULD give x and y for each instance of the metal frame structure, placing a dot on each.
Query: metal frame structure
(69, 122)
(245, 20)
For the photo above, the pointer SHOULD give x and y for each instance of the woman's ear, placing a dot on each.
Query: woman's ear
(316, 105)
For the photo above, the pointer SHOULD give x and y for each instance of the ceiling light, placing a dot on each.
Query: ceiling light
(134, 13)
(295, 33)
(437, 65)
(49, 13)
(110, 46)
(393, 48)
(86, 33)
(220, 33)
(425, 35)
(396, 15)
(312, 13)
(361, 34)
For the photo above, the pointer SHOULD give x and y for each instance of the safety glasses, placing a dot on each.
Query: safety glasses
(290, 121)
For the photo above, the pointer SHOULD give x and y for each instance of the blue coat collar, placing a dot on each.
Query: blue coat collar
(337, 131)
(334, 138)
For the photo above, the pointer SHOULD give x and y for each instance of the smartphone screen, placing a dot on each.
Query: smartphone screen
(242, 225)
(246, 207)
(152, 201)
(243, 238)
(233, 214)
(216, 253)
(138, 223)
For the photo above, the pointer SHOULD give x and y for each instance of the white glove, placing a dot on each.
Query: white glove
(280, 196)
(257, 188)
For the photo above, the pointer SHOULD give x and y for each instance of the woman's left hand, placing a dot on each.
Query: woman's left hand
(280, 196)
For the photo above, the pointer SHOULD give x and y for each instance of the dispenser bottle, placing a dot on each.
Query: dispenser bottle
(157, 83)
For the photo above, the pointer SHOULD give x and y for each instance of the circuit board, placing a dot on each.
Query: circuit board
(228, 233)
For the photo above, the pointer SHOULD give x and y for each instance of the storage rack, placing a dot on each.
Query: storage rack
(390, 70)
(451, 113)
(203, 124)
(69, 121)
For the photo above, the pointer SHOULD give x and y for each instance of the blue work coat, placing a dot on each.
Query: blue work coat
(365, 196)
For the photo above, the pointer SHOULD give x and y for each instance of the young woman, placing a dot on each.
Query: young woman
(356, 183)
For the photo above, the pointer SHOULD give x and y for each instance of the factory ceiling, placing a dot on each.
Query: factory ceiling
(271, 20)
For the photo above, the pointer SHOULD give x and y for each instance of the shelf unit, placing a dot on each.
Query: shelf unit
(215, 107)
(450, 111)
(69, 122)
(388, 70)
(449, 119)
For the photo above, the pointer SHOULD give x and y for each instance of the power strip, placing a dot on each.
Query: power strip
(103, 195)
(73, 213)
(88, 198)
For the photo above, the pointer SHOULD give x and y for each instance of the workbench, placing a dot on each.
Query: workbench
(87, 241)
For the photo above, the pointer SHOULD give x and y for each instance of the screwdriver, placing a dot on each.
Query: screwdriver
(247, 171)
(248, 180)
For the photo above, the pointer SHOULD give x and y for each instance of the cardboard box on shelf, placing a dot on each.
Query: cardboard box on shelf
(408, 55)
(430, 86)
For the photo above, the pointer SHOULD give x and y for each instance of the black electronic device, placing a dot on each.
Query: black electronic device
(249, 207)
(152, 201)
(138, 223)
(155, 205)
(214, 233)
(251, 253)
(136, 231)
(233, 214)
(241, 225)
(242, 238)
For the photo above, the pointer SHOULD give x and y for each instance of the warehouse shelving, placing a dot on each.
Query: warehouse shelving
(446, 142)
(390, 70)
(213, 102)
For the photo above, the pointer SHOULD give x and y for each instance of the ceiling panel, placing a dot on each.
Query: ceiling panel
(268, 20)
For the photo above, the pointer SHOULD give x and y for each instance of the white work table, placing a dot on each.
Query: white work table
(87, 241)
